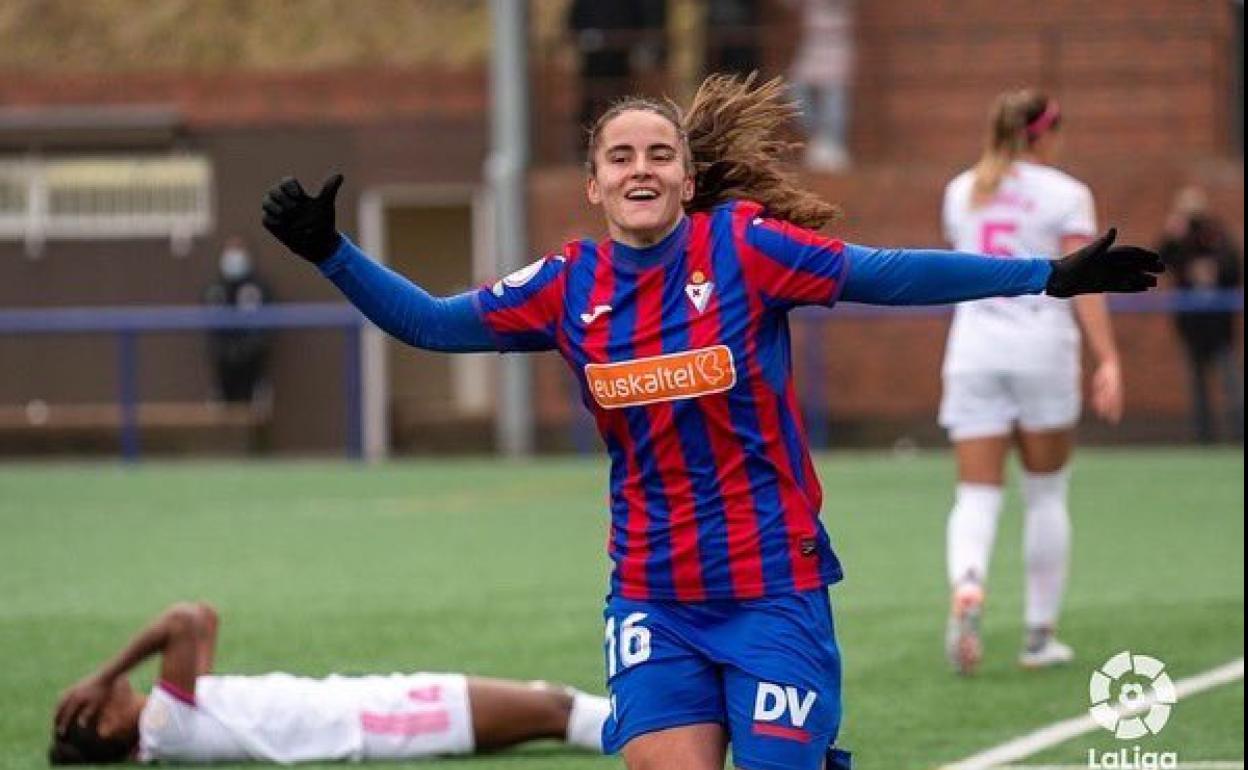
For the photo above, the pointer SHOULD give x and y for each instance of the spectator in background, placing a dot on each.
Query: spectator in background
(615, 39)
(821, 74)
(732, 36)
(240, 357)
(1202, 259)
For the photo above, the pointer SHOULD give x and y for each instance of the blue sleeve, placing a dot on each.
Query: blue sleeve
(931, 277)
(403, 309)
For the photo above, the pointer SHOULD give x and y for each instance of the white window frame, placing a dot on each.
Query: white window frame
(120, 182)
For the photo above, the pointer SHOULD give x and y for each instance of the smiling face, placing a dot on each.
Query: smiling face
(640, 177)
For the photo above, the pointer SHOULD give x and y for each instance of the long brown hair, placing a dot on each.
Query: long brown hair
(732, 145)
(1016, 121)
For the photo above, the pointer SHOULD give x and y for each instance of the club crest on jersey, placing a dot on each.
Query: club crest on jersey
(698, 290)
(670, 377)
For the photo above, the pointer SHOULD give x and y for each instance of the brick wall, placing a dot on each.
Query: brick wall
(1134, 76)
(234, 99)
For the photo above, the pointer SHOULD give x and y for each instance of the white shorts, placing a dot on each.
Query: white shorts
(978, 404)
(415, 716)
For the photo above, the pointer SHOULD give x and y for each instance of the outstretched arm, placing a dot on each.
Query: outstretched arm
(933, 277)
(929, 277)
(405, 310)
(306, 225)
(185, 635)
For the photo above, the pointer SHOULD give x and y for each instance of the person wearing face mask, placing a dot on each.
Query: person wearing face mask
(239, 357)
(718, 628)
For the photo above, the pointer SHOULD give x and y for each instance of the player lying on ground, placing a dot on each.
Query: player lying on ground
(193, 716)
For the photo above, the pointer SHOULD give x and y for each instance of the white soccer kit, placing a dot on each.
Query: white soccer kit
(286, 719)
(1014, 359)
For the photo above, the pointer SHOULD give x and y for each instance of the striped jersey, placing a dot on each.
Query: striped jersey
(682, 354)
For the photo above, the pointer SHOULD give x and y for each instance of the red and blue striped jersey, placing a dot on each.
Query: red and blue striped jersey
(682, 354)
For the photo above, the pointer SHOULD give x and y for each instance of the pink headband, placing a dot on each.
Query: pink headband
(1044, 121)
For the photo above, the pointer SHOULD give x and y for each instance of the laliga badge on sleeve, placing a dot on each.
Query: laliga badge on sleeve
(518, 278)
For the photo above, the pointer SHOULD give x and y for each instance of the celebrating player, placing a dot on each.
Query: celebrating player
(1011, 372)
(194, 716)
(718, 626)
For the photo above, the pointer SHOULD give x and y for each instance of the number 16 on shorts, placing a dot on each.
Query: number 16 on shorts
(630, 647)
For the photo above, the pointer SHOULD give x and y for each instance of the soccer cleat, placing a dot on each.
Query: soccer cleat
(1048, 652)
(963, 645)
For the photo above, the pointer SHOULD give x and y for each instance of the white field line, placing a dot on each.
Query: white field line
(1060, 732)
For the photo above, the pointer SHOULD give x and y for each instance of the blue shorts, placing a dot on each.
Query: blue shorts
(768, 670)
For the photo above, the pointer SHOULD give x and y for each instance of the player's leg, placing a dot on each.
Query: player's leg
(696, 747)
(976, 507)
(782, 683)
(969, 538)
(505, 713)
(667, 704)
(978, 411)
(1046, 438)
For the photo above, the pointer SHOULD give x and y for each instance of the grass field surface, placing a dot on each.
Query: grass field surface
(499, 568)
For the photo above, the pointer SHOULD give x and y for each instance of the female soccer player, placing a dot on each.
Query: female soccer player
(194, 716)
(718, 626)
(1011, 372)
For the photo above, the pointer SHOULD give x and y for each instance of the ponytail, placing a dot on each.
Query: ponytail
(1017, 120)
(733, 131)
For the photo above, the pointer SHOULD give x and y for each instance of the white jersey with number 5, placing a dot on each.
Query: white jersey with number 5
(1032, 211)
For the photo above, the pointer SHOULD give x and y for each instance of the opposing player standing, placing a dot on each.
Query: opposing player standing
(718, 626)
(1012, 375)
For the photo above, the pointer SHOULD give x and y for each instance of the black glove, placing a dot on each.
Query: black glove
(1101, 266)
(303, 224)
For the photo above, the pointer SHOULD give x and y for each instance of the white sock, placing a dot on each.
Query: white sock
(972, 529)
(589, 713)
(1046, 545)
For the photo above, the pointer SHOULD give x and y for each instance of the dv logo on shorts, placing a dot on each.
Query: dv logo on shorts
(773, 702)
(687, 374)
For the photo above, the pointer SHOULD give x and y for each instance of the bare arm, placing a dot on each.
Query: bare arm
(1092, 313)
(184, 635)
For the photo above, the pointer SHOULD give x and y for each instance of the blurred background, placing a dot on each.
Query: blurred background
(143, 310)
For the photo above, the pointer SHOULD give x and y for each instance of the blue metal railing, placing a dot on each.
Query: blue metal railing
(129, 322)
